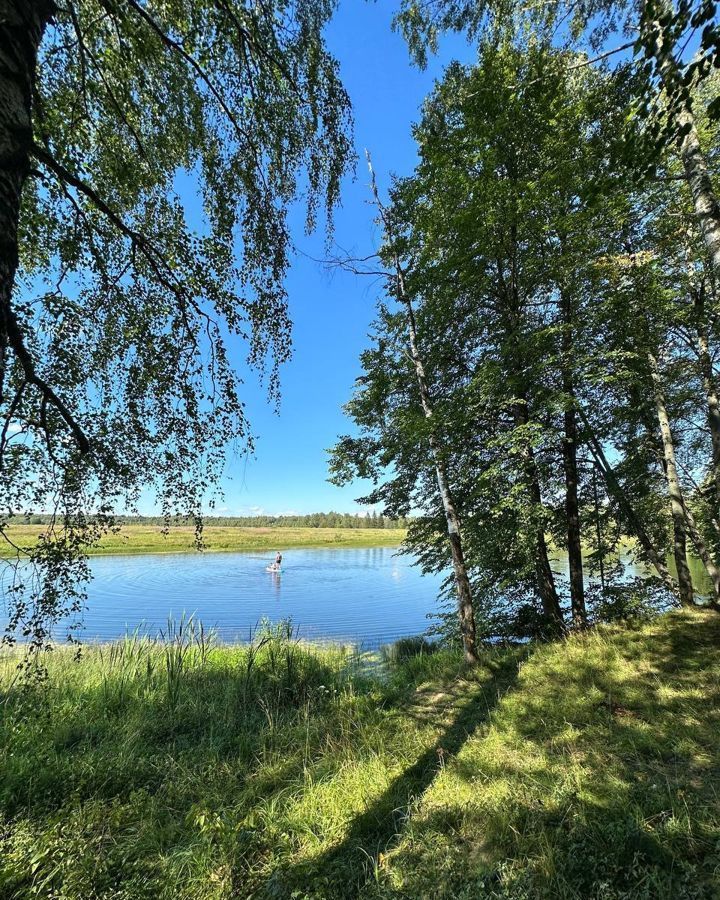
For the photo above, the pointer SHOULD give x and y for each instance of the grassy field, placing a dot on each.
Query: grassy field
(179, 539)
(585, 769)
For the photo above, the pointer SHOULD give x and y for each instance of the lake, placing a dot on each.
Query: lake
(368, 596)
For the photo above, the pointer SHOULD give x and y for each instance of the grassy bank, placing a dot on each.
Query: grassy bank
(180, 539)
(584, 769)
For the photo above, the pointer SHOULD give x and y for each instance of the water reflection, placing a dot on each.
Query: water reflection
(276, 579)
(366, 595)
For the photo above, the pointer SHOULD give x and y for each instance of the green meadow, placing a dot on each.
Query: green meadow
(588, 768)
(181, 539)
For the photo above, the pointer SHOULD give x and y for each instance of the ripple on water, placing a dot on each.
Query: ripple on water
(365, 595)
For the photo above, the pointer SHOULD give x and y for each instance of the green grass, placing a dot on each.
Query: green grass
(180, 539)
(584, 769)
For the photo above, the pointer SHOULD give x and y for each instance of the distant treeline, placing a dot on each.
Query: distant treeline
(312, 520)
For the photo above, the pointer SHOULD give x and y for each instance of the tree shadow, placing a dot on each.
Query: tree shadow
(343, 871)
(608, 787)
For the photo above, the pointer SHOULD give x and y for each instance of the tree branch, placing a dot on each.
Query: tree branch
(589, 62)
(138, 240)
(17, 342)
(178, 48)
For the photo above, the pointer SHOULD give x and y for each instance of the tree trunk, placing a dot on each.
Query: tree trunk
(677, 505)
(711, 392)
(598, 529)
(703, 552)
(466, 613)
(631, 517)
(572, 506)
(697, 175)
(462, 582)
(698, 178)
(543, 571)
(22, 23)
(676, 497)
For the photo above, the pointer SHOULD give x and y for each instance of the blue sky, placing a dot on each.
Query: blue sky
(332, 312)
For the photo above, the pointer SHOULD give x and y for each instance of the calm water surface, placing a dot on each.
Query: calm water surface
(366, 596)
(362, 595)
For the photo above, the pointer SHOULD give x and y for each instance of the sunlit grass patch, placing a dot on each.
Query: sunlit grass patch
(599, 776)
(190, 769)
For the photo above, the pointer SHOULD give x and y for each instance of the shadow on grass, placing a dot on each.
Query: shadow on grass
(344, 870)
(602, 779)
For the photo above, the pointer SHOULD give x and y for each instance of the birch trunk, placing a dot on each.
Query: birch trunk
(598, 529)
(462, 582)
(676, 495)
(22, 23)
(703, 552)
(466, 613)
(572, 506)
(711, 392)
(713, 403)
(697, 174)
(677, 505)
(698, 178)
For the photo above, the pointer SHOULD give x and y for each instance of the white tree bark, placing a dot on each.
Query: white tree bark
(697, 175)
(466, 613)
(616, 490)
(682, 515)
(703, 552)
(462, 582)
(711, 393)
(677, 505)
(705, 202)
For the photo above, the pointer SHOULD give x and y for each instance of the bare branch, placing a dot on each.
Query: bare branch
(605, 55)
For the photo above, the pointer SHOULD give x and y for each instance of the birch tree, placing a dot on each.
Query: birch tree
(462, 582)
(544, 284)
(659, 32)
(482, 220)
(149, 154)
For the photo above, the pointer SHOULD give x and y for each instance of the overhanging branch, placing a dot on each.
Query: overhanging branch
(158, 264)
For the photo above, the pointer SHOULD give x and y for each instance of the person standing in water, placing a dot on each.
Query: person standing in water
(278, 560)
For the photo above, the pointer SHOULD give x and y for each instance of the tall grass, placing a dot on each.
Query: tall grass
(184, 768)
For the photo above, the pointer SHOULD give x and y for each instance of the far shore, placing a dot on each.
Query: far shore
(147, 539)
